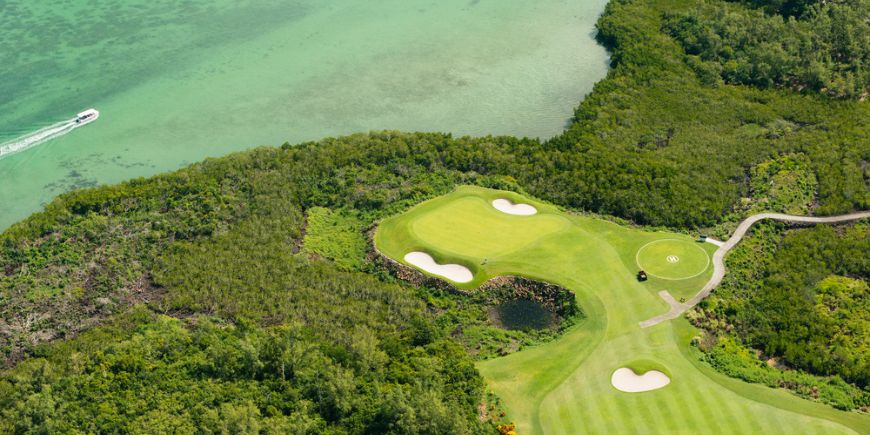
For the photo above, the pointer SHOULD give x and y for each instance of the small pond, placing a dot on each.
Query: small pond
(522, 314)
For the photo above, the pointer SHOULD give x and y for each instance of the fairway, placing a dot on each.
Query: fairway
(566, 386)
(672, 259)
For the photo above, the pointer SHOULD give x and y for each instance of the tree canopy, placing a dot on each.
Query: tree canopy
(123, 307)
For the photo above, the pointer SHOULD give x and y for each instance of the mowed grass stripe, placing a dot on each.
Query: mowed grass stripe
(737, 413)
(730, 414)
(674, 416)
(555, 411)
(705, 406)
(606, 396)
(573, 405)
(595, 407)
(615, 415)
(683, 409)
(641, 412)
(650, 409)
(567, 420)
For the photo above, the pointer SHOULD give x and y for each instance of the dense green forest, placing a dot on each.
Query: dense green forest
(818, 46)
(157, 374)
(795, 299)
(236, 294)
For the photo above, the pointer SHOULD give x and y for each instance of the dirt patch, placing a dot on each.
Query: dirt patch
(65, 317)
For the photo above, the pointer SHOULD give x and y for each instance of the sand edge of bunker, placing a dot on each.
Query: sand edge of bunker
(451, 271)
(517, 209)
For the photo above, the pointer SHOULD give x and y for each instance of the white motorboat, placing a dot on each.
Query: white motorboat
(87, 116)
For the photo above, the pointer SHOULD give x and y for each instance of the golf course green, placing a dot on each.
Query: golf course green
(672, 259)
(564, 386)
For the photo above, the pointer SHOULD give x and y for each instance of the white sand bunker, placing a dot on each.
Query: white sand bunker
(625, 379)
(453, 272)
(508, 207)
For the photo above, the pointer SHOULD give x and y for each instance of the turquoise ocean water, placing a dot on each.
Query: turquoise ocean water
(178, 81)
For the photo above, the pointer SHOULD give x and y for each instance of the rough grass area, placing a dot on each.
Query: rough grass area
(336, 235)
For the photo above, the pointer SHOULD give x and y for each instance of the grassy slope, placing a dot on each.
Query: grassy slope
(564, 386)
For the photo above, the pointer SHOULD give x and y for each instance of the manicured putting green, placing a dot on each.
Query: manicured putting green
(472, 226)
(672, 259)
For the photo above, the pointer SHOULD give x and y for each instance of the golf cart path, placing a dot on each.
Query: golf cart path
(678, 309)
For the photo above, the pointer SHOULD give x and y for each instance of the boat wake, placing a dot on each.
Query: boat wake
(46, 134)
(38, 137)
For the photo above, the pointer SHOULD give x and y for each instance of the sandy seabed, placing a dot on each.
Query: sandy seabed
(453, 272)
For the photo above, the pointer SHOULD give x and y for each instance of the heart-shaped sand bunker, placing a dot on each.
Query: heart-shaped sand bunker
(508, 207)
(453, 272)
(625, 379)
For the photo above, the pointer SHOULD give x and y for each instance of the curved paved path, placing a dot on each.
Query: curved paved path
(678, 309)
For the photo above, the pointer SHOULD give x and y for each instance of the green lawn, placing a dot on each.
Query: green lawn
(470, 225)
(564, 386)
(672, 259)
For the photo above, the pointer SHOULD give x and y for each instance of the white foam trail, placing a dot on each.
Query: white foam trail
(38, 137)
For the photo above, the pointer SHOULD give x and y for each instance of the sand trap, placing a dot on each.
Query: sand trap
(508, 207)
(453, 272)
(625, 379)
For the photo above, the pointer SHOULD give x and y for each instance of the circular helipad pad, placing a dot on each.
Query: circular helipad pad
(672, 259)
